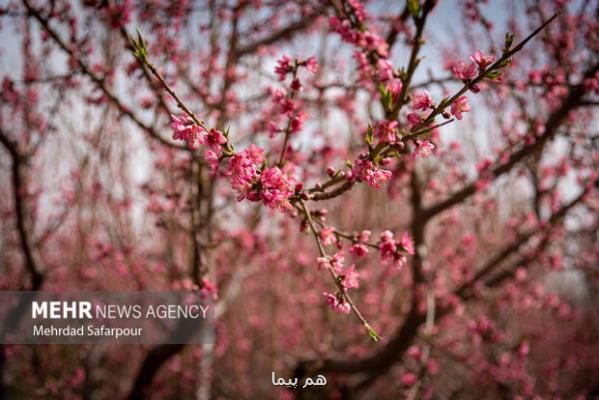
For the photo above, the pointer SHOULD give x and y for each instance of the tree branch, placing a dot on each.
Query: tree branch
(100, 83)
(284, 34)
(553, 122)
(18, 191)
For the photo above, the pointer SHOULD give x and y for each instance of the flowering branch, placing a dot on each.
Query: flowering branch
(342, 293)
(552, 124)
(140, 52)
(457, 101)
(492, 71)
(406, 78)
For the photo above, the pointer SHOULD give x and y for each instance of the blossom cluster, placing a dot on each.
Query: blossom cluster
(359, 249)
(391, 251)
(247, 172)
(288, 107)
(286, 66)
(256, 182)
(366, 39)
(348, 276)
(369, 43)
(337, 302)
(394, 251)
(286, 102)
(467, 72)
(364, 170)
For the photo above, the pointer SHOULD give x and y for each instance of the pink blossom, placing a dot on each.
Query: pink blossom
(385, 70)
(386, 236)
(358, 250)
(482, 60)
(119, 14)
(296, 123)
(343, 308)
(208, 290)
(331, 299)
(484, 164)
(359, 9)
(408, 379)
(311, 64)
(463, 71)
(367, 40)
(212, 158)
(433, 366)
(343, 28)
(78, 377)
(243, 171)
(364, 236)
(374, 42)
(414, 119)
(185, 129)
(365, 170)
(415, 352)
(296, 85)
(254, 154)
(387, 246)
(350, 277)
(274, 189)
(460, 106)
(279, 97)
(377, 177)
(524, 349)
(212, 138)
(283, 67)
(482, 183)
(422, 101)
(399, 260)
(327, 235)
(323, 263)
(363, 66)
(407, 243)
(424, 149)
(337, 304)
(394, 86)
(337, 261)
(388, 250)
(271, 177)
(386, 131)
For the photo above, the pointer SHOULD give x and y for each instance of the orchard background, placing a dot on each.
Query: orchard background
(400, 196)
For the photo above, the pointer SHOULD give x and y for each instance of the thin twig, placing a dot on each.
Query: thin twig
(371, 332)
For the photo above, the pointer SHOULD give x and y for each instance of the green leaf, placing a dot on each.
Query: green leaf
(494, 74)
(140, 51)
(505, 63)
(509, 40)
(413, 7)
(386, 97)
(372, 333)
(369, 135)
